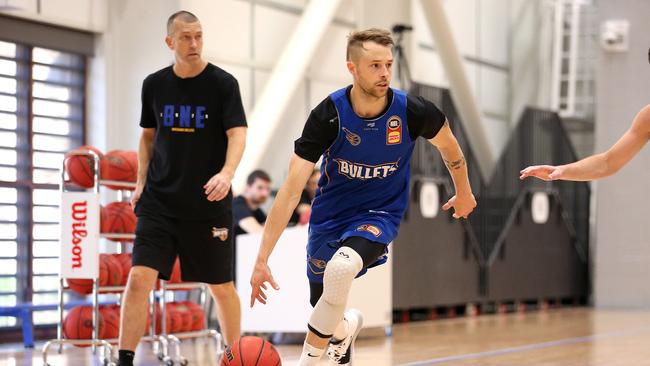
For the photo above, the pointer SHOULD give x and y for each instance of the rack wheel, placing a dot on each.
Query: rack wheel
(160, 356)
(183, 361)
(168, 361)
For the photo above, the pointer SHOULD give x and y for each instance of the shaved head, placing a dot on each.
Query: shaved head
(183, 16)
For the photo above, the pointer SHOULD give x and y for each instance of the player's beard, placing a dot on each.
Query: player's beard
(372, 90)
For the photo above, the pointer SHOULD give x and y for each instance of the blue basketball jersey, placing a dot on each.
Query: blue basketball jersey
(366, 170)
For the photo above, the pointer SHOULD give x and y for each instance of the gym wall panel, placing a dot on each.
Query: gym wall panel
(329, 60)
(493, 31)
(347, 11)
(462, 17)
(420, 33)
(276, 161)
(272, 30)
(530, 54)
(90, 14)
(622, 240)
(133, 47)
(432, 263)
(426, 67)
(226, 27)
(319, 90)
(493, 92)
(557, 271)
(297, 3)
(498, 133)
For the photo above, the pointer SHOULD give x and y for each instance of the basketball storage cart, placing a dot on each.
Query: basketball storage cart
(80, 236)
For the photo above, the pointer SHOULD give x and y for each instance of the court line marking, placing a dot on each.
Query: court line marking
(527, 347)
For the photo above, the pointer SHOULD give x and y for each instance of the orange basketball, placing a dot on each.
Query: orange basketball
(120, 165)
(81, 168)
(120, 219)
(185, 315)
(114, 273)
(111, 317)
(125, 263)
(251, 351)
(198, 316)
(78, 323)
(173, 320)
(85, 286)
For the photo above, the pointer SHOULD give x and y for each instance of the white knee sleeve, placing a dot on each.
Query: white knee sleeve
(337, 280)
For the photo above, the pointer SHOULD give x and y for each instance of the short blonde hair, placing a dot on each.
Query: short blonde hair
(377, 35)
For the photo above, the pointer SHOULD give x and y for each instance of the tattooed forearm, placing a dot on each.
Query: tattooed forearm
(457, 164)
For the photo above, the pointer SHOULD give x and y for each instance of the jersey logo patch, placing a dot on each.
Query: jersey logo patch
(394, 131)
(372, 229)
(365, 171)
(352, 137)
(221, 233)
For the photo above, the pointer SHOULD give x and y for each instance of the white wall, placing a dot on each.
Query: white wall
(480, 29)
(622, 242)
(530, 55)
(88, 15)
(131, 48)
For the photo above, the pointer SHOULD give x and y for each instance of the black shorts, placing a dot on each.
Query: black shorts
(205, 247)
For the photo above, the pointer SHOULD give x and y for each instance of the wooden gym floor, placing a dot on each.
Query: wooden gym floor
(563, 337)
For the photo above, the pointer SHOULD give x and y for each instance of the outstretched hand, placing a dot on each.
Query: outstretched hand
(543, 172)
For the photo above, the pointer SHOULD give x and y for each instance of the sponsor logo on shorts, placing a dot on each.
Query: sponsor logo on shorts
(352, 137)
(365, 171)
(372, 229)
(394, 131)
(318, 263)
(221, 233)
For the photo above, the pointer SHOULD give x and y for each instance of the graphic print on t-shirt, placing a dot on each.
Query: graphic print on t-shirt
(184, 118)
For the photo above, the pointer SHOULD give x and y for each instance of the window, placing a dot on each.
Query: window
(42, 101)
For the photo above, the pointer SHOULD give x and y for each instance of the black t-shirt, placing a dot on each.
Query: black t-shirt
(423, 117)
(191, 117)
(240, 211)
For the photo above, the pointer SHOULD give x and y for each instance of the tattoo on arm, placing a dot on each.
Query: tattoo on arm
(457, 164)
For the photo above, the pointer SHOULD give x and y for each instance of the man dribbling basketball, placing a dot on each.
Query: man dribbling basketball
(193, 137)
(365, 134)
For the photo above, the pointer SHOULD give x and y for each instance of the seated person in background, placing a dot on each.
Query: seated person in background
(247, 215)
(303, 211)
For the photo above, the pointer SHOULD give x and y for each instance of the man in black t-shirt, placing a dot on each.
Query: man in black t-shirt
(247, 215)
(193, 137)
